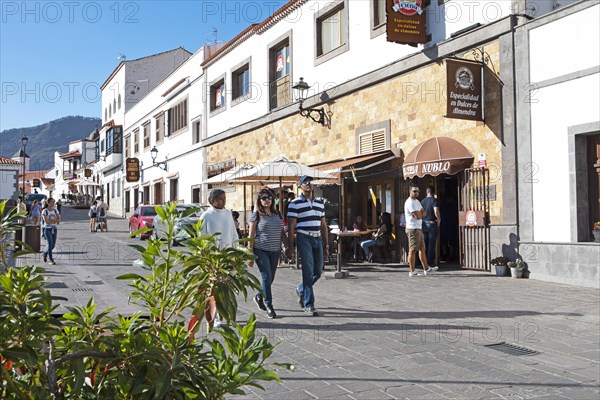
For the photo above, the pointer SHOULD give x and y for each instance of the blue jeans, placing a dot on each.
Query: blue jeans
(50, 235)
(267, 265)
(430, 233)
(366, 246)
(310, 250)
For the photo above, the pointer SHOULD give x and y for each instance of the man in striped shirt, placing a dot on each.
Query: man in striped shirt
(306, 218)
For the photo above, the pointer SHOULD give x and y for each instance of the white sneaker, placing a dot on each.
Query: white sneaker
(411, 274)
(430, 270)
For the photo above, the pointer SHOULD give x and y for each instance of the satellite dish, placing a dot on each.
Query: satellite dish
(121, 57)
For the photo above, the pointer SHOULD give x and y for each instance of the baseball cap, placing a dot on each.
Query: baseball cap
(305, 179)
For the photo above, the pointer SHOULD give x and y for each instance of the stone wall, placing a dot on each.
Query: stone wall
(570, 263)
(414, 102)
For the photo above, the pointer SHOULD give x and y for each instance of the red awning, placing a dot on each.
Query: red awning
(435, 156)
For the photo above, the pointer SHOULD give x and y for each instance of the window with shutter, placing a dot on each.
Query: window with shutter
(372, 142)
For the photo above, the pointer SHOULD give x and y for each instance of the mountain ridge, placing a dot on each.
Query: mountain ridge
(47, 138)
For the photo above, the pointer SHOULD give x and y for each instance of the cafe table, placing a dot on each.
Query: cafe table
(348, 234)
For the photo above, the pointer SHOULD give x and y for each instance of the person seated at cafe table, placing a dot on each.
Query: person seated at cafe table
(357, 226)
(380, 237)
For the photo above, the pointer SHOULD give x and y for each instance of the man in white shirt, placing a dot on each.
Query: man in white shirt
(414, 213)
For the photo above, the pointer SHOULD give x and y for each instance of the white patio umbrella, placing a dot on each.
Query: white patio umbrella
(280, 170)
(87, 182)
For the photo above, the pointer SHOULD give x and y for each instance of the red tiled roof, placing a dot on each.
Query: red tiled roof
(70, 154)
(259, 29)
(8, 161)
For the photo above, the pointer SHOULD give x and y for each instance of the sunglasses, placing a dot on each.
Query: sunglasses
(266, 197)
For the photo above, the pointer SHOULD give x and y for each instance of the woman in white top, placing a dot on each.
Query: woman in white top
(51, 218)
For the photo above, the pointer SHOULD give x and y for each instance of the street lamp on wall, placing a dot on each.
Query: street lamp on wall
(24, 141)
(316, 114)
(162, 164)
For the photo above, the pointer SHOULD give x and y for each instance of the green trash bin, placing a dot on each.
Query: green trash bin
(33, 237)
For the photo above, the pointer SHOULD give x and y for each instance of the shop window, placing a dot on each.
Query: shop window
(146, 195)
(584, 150)
(280, 84)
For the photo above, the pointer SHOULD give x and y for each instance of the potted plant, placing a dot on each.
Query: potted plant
(501, 265)
(516, 268)
(596, 231)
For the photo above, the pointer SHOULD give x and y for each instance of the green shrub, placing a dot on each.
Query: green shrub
(157, 354)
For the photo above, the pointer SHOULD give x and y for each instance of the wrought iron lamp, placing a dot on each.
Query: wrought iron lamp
(24, 141)
(316, 114)
(162, 164)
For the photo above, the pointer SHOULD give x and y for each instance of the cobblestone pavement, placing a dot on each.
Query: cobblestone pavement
(383, 335)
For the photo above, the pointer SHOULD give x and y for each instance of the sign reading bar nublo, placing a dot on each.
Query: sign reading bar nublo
(464, 97)
(132, 169)
(406, 23)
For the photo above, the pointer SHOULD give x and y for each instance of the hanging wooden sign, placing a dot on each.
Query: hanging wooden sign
(406, 22)
(464, 98)
(132, 170)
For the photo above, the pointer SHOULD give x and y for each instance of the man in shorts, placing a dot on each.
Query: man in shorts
(414, 212)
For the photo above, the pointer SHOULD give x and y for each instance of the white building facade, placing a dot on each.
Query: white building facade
(130, 82)
(169, 119)
(558, 118)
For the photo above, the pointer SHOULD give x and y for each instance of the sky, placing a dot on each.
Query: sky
(55, 55)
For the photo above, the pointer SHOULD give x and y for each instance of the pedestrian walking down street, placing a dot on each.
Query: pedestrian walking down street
(306, 217)
(414, 212)
(36, 212)
(266, 227)
(218, 219)
(51, 218)
(431, 224)
(101, 222)
(92, 215)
